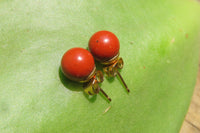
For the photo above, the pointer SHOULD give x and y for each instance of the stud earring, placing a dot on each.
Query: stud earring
(77, 64)
(104, 46)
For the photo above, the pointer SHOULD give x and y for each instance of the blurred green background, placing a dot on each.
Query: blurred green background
(159, 45)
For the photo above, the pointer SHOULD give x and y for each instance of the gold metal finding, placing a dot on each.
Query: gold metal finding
(92, 87)
(111, 70)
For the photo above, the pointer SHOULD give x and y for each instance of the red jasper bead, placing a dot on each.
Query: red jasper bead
(104, 45)
(77, 64)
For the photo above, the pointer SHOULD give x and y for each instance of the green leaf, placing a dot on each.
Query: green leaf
(159, 45)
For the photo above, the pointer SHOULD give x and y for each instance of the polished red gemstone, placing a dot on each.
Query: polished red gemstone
(77, 64)
(104, 45)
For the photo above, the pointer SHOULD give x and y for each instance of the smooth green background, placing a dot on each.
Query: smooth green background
(159, 45)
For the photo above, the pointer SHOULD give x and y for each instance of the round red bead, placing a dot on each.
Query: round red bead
(104, 45)
(77, 64)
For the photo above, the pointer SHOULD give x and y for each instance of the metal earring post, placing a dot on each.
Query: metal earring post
(105, 95)
(123, 81)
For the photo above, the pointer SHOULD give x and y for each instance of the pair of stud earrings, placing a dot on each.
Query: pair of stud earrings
(78, 64)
